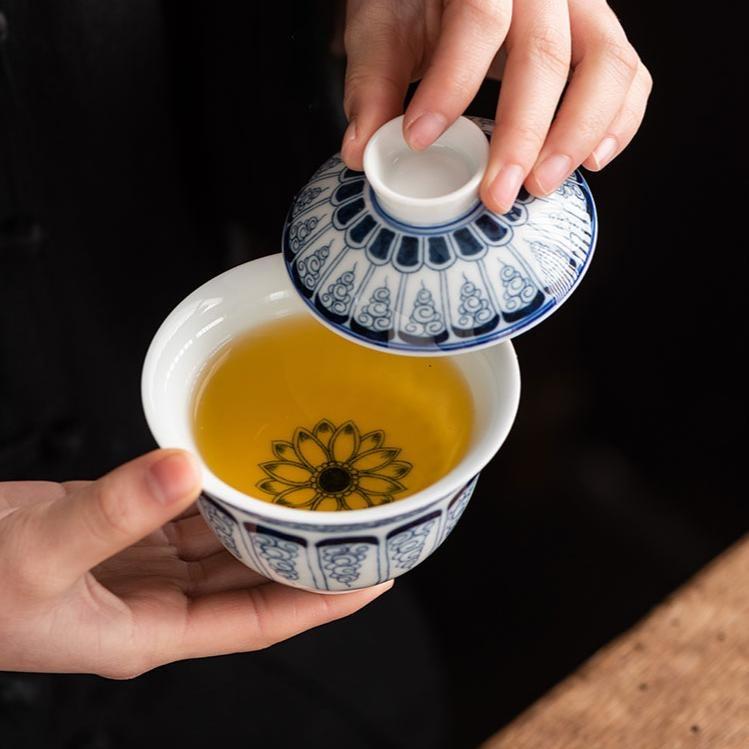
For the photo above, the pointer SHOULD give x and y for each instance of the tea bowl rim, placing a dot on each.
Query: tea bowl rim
(269, 274)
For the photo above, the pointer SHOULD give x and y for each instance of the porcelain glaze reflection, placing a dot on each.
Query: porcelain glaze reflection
(476, 280)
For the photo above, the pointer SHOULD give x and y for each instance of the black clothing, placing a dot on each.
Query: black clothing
(146, 146)
(144, 150)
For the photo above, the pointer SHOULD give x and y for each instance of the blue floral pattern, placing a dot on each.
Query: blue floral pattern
(341, 560)
(333, 468)
(518, 292)
(484, 277)
(474, 308)
(279, 552)
(343, 556)
(300, 232)
(424, 320)
(406, 545)
(457, 506)
(377, 314)
(220, 522)
(309, 267)
(306, 198)
(338, 297)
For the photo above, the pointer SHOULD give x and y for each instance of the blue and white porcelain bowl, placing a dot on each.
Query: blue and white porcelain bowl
(328, 552)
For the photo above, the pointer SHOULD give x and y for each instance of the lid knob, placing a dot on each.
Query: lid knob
(427, 187)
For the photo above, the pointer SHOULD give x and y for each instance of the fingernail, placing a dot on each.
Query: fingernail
(351, 132)
(424, 130)
(605, 151)
(173, 477)
(552, 171)
(348, 138)
(505, 186)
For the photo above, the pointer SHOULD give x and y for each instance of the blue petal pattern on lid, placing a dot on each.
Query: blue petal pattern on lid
(480, 279)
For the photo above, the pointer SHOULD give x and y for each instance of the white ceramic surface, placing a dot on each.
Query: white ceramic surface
(428, 187)
(325, 551)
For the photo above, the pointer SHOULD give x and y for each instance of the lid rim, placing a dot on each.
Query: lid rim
(497, 275)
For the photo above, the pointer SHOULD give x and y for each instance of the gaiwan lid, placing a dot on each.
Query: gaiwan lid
(405, 257)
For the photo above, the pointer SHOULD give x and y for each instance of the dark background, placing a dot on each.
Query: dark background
(145, 147)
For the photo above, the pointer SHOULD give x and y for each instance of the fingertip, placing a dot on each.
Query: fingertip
(421, 131)
(378, 590)
(534, 188)
(552, 171)
(501, 187)
(603, 154)
(174, 475)
(373, 590)
(488, 200)
(353, 159)
(358, 599)
(352, 149)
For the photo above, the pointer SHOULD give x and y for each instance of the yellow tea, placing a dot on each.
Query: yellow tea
(294, 414)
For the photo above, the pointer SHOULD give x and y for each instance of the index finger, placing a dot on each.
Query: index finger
(257, 617)
(472, 32)
(538, 61)
(378, 69)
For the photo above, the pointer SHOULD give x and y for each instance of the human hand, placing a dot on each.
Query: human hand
(452, 44)
(98, 577)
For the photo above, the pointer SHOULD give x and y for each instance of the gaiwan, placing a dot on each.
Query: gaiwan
(403, 259)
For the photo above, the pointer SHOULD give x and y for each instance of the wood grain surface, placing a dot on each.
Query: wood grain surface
(678, 680)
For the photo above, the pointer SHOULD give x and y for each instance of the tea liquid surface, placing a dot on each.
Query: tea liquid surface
(293, 413)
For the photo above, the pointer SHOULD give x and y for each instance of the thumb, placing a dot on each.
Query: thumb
(378, 70)
(90, 525)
